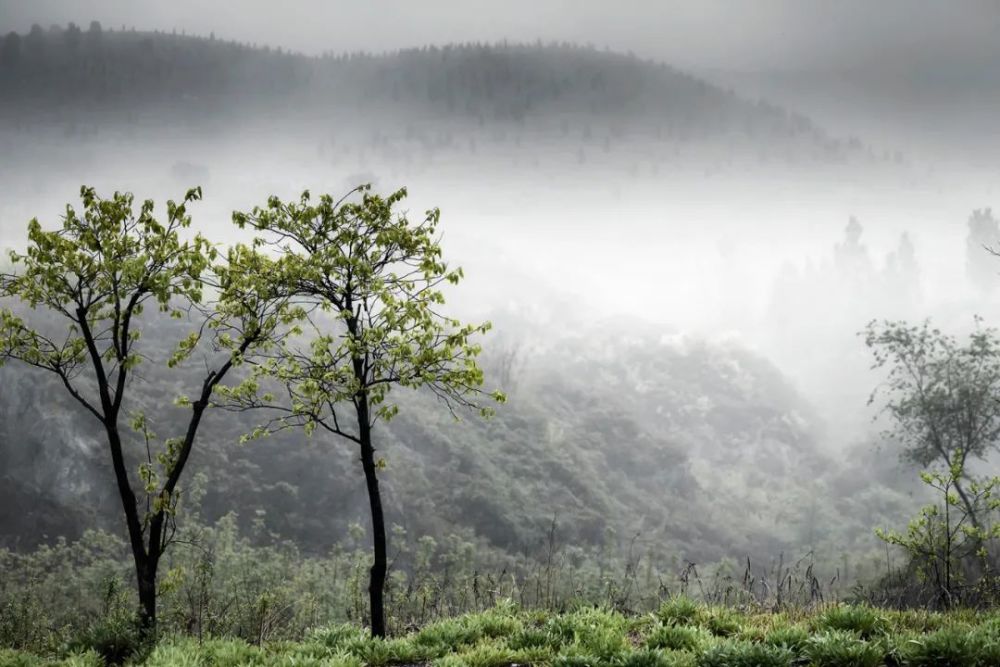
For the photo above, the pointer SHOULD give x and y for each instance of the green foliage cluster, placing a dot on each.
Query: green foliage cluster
(586, 636)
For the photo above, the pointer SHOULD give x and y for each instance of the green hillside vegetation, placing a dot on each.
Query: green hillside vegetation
(703, 450)
(679, 633)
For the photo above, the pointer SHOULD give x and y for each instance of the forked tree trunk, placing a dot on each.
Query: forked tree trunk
(145, 566)
(146, 551)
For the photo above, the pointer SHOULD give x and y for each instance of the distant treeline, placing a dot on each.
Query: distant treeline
(67, 74)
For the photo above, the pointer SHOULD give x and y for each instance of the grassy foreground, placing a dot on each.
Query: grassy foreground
(680, 633)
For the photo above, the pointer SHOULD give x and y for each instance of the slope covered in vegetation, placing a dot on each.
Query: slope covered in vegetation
(679, 634)
(700, 450)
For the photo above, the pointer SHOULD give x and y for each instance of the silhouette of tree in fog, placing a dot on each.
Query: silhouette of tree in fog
(980, 265)
(851, 256)
(10, 51)
(902, 273)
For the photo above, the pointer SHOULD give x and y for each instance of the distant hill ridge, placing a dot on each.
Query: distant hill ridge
(579, 92)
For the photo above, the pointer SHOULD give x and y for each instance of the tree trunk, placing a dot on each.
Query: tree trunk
(969, 509)
(145, 565)
(146, 579)
(376, 582)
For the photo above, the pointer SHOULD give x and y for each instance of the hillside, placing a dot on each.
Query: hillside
(700, 450)
(457, 97)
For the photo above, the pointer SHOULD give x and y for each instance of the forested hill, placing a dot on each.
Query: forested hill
(699, 450)
(101, 78)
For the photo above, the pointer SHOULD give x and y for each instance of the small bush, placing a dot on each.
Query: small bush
(88, 659)
(13, 658)
(377, 652)
(605, 643)
(742, 654)
(488, 655)
(678, 638)
(447, 634)
(577, 661)
(838, 648)
(953, 646)
(643, 658)
(493, 624)
(792, 637)
(231, 653)
(531, 638)
(181, 654)
(337, 635)
(864, 621)
(115, 638)
(680, 610)
(723, 622)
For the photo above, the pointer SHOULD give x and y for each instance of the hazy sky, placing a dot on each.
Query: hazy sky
(692, 33)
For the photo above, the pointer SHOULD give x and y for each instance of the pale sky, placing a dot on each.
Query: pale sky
(699, 34)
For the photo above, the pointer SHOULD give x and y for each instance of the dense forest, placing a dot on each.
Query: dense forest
(409, 102)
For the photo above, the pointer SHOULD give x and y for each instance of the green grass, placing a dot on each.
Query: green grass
(681, 633)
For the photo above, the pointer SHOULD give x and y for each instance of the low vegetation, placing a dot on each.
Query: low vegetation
(680, 632)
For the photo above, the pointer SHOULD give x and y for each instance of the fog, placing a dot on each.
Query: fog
(694, 245)
(582, 217)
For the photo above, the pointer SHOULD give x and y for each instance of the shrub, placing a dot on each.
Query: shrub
(680, 610)
(531, 638)
(493, 624)
(174, 655)
(741, 654)
(604, 642)
(231, 653)
(678, 638)
(337, 635)
(88, 659)
(792, 637)
(723, 622)
(838, 648)
(577, 661)
(953, 646)
(116, 638)
(13, 658)
(446, 634)
(488, 655)
(864, 621)
(643, 658)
